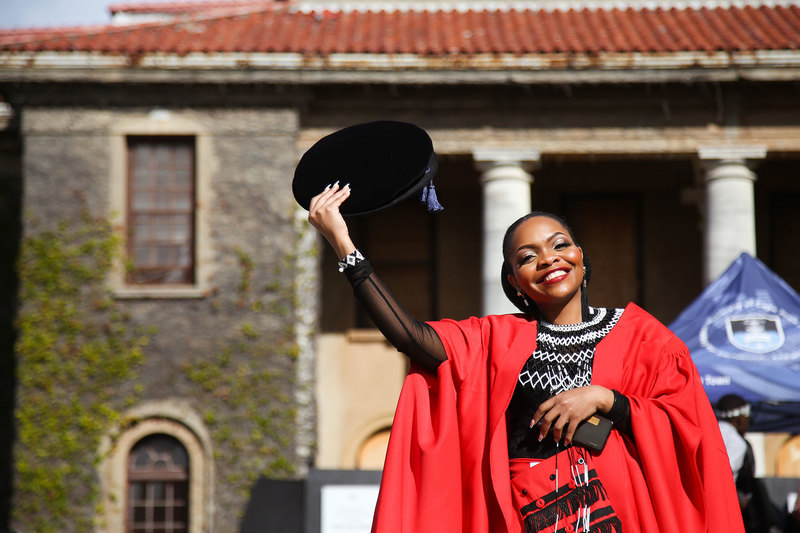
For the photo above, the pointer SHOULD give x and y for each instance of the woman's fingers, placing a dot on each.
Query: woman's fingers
(340, 196)
(561, 423)
(324, 196)
(544, 407)
(325, 216)
(563, 412)
(571, 427)
(326, 204)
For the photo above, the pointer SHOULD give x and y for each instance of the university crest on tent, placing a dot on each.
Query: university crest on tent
(743, 332)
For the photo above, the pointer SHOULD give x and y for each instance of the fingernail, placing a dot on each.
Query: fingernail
(337, 183)
(346, 186)
(328, 187)
(540, 437)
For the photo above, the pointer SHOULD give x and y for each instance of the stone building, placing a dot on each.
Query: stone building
(151, 163)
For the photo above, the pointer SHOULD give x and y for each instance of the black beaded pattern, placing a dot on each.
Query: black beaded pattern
(350, 260)
(564, 355)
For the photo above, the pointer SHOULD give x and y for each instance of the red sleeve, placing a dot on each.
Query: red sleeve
(421, 487)
(426, 480)
(682, 453)
(462, 342)
(680, 478)
(438, 476)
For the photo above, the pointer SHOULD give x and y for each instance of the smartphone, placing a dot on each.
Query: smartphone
(593, 432)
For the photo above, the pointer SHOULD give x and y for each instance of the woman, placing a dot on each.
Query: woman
(482, 438)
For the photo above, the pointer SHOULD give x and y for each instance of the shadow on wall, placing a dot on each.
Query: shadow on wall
(10, 234)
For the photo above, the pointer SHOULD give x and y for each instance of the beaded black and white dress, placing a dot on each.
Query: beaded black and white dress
(562, 361)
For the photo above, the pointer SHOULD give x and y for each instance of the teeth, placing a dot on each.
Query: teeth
(554, 274)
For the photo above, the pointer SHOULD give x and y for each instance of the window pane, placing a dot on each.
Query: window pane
(181, 491)
(183, 177)
(141, 177)
(139, 514)
(180, 232)
(137, 491)
(179, 513)
(159, 514)
(162, 255)
(158, 491)
(184, 257)
(142, 201)
(183, 159)
(162, 156)
(142, 256)
(181, 202)
(162, 200)
(142, 230)
(162, 230)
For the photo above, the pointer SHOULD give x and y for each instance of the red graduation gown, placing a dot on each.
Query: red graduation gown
(447, 470)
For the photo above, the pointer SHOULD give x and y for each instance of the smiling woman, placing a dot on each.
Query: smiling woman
(505, 421)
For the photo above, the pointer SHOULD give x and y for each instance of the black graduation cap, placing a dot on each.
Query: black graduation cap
(384, 162)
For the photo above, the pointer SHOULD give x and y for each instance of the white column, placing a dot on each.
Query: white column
(506, 183)
(730, 223)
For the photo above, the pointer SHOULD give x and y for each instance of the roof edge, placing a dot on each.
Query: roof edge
(311, 6)
(399, 63)
(484, 69)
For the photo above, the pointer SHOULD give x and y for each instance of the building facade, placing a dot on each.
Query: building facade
(152, 164)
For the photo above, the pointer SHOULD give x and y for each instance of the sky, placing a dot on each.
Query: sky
(38, 13)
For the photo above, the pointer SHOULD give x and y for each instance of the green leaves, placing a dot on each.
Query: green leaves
(74, 350)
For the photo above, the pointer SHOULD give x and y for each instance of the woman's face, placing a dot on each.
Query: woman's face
(546, 265)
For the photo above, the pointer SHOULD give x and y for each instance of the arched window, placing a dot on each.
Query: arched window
(373, 450)
(789, 458)
(158, 486)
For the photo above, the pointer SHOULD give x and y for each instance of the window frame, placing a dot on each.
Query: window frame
(177, 420)
(163, 123)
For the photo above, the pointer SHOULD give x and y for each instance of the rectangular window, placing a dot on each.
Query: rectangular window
(161, 211)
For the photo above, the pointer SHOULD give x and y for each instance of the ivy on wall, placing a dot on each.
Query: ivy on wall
(78, 353)
(248, 384)
(75, 349)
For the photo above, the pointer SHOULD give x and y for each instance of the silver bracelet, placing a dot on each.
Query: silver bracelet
(350, 260)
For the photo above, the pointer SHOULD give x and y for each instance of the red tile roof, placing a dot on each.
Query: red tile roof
(16, 35)
(279, 27)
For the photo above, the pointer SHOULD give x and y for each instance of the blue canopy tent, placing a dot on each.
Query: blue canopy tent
(743, 332)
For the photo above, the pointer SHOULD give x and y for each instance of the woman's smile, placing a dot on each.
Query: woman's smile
(556, 275)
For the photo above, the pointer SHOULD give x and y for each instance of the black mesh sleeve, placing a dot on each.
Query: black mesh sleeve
(417, 340)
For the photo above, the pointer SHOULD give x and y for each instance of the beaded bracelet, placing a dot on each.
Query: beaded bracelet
(350, 260)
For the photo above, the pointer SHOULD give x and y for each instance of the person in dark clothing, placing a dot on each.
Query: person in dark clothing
(759, 514)
(792, 522)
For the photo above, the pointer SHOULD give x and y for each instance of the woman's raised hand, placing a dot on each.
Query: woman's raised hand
(564, 411)
(324, 214)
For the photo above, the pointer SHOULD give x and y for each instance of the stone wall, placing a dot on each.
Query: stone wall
(229, 351)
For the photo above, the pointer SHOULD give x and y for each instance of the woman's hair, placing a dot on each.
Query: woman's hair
(505, 271)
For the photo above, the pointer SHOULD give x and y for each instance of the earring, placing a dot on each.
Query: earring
(584, 283)
(524, 300)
